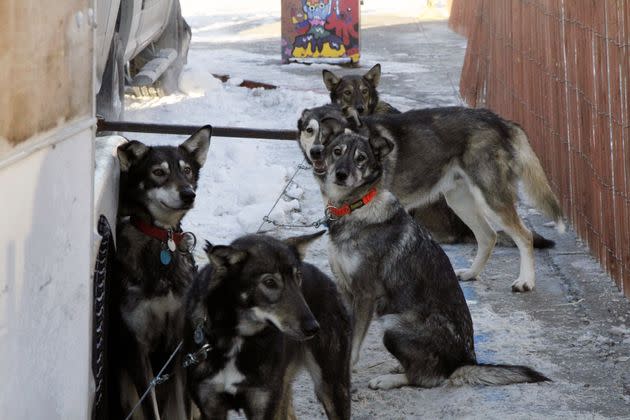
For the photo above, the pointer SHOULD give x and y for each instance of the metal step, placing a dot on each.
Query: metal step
(152, 71)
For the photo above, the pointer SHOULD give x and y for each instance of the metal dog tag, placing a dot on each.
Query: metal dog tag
(199, 335)
(171, 244)
(165, 257)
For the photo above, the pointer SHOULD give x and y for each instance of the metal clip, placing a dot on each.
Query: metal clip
(191, 248)
(329, 215)
(196, 357)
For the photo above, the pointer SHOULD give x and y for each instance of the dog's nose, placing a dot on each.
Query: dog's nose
(310, 327)
(187, 195)
(317, 151)
(341, 175)
(360, 109)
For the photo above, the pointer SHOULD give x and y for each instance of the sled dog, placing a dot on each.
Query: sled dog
(153, 268)
(254, 316)
(386, 263)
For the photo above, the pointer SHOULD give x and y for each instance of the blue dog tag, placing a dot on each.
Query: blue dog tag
(165, 257)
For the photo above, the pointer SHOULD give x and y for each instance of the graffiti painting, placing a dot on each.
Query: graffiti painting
(320, 30)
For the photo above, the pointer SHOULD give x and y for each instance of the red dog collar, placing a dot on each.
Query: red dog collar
(156, 232)
(349, 208)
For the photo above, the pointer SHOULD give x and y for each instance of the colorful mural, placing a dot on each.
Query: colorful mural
(320, 30)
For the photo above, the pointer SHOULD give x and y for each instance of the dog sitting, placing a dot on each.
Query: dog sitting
(386, 263)
(254, 316)
(153, 269)
(359, 92)
(472, 157)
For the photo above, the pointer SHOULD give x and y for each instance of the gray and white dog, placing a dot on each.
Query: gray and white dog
(472, 157)
(386, 263)
(153, 269)
(360, 93)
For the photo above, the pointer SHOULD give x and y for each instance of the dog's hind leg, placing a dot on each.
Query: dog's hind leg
(512, 224)
(413, 344)
(464, 204)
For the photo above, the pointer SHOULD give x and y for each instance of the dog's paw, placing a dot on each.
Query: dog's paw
(397, 369)
(521, 285)
(389, 381)
(465, 275)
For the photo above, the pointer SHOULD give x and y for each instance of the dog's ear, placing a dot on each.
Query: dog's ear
(300, 123)
(382, 143)
(223, 256)
(301, 243)
(352, 116)
(373, 75)
(198, 144)
(208, 248)
(130, 153)
(331, 80)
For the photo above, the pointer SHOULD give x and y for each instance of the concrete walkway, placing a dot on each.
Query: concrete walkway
(574, 327)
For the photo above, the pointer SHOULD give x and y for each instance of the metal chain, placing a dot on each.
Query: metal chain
(267, 219)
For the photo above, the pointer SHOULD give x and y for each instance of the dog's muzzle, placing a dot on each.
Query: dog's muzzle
(317, 158)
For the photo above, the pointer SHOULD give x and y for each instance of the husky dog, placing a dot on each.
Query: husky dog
(153, 269)
(471, 156)
(254, 316)
(358, 92)
(385, 262)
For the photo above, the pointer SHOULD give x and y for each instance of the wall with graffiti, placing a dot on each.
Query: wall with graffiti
(320, 30)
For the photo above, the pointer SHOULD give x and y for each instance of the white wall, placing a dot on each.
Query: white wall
(45, 279)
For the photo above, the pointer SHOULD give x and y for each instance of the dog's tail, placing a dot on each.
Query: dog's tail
(534, 179)
(485, 374)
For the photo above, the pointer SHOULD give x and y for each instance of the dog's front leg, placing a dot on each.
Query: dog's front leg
(362, 312)
(176, 403)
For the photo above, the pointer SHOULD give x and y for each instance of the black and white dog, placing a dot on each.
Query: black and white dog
(153, 269)
(386, 263)
(254, 316)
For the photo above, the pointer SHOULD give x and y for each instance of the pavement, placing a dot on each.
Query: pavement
(575, 325)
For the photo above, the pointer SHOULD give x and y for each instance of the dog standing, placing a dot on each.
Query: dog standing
(153, 268)
(360, 93)
(252, 320)
(471, 156)
(385, 262)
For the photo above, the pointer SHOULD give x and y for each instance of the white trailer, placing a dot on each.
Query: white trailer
(47, 238)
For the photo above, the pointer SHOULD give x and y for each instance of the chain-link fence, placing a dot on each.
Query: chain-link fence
(561, 69)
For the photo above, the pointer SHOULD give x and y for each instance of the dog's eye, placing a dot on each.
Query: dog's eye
(159, 172)
(187, 170)
(337, 151)
(347, 93)
(360, 158)
(270, 283)
(364, 91)
(309, 130)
